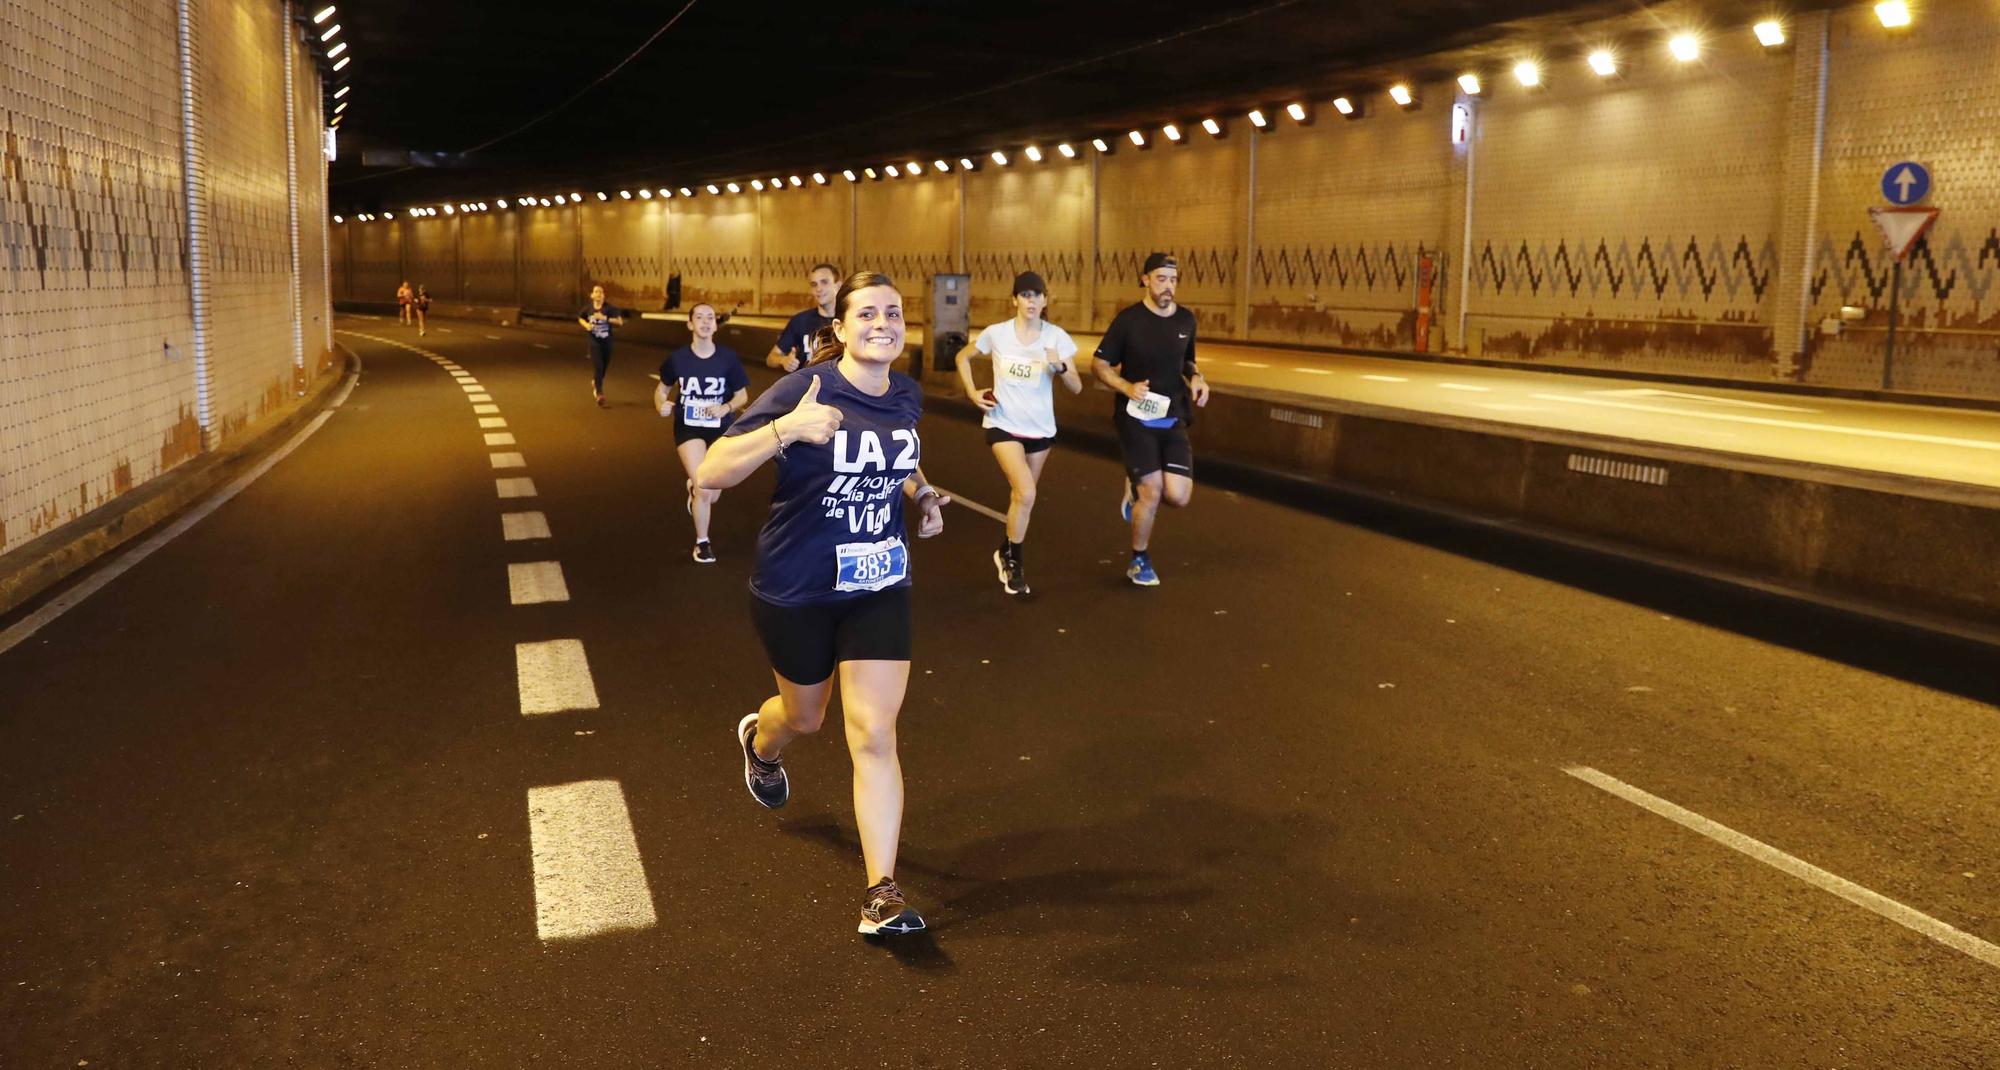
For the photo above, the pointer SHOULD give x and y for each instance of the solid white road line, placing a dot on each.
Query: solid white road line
(519, 527)
(533, 582)
(1648, 392)
(1465, 386)
(588, 876)
(1909, 918)
(1386, 378)
(1796, 425)
(522, 487)
(500, 438)
(1249, 364)
(507, 460)
(488, 408)
(553, 676)
(123, 563)
(479, 399)
(492, 421)
(972, 505)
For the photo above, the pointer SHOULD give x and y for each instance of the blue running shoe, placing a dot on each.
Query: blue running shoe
(766, 780)
(1141, 571)
(1125, 503)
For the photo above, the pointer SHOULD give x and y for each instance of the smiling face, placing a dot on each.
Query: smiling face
(1030, 304)
(871, 326)
(597, 295)
(824, 286)
(701, 322)
(1160, 286)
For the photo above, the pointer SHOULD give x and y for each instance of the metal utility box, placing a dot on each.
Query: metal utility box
(950, 324)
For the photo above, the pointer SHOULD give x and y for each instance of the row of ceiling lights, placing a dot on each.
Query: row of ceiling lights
(337, 53)
(1685, 47)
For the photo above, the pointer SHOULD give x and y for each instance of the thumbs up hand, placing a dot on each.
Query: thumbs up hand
(809, 421)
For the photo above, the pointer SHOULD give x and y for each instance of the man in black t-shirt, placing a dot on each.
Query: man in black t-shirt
(795, 341)
(1147, 356)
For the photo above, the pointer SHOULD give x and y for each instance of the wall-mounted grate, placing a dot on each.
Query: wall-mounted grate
(1612, 468)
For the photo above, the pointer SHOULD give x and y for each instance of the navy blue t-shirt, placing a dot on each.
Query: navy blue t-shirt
(836, 526)
(600, 319)
(702, 381)
(799, 331)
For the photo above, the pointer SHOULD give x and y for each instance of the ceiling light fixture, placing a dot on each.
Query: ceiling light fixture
(325, 14)
(1469, 82)
(1068, 151)
(1257, 118)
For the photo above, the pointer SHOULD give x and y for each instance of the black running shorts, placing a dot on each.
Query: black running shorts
(806, 642)
(684, 433)
(1154, 449)
(995, 435)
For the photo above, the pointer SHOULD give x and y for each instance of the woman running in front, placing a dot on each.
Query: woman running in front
(702, 386)
(598, 317)
(1028, 355)
(422, 303)
(831, 587)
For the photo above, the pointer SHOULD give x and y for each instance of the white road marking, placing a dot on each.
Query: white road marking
(1796, 425)
(464, 377)
(1909, 918)
(470, 386)
(553, 676)
(1649, 392)
(446, 330)
(507, 460)
(588, 875)
(499, 438)
(1249, 364)
(1505, 406)
(492, 421)
(492, 337)
(519, 487)
(972, 505)
(520, 527)
(481, 409)
(123, 563)
(540, 345)
(532, 582)
(1386, 378)
(476, 398)
(1312, 371)
(1465, 386)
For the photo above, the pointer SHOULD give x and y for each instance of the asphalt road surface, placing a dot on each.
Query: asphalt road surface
(1348, 789)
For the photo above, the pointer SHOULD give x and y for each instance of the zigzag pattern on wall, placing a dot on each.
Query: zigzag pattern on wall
(1361, 267)
(621, 266)
(712, 265)
(1199, 267)
(147, 243)
(908, 269)
(1685, 269)
(1059, 266)
(1961, 269)
(796, 265)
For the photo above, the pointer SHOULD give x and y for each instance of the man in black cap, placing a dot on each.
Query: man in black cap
(1147, 356)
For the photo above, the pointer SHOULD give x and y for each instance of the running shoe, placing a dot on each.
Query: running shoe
(1141, 571)
(766, 780)
(1125, 503)
(884, 913)
(703, 555)
(1013, 578)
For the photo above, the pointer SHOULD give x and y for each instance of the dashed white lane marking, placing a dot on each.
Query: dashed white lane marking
(478, 399)
(469, 386)
(974, 506)
(500, 438)
(484, 408)
(520, 527)
(62, 603)
(1466, 386)
(464, 377)
(1796, 425)
(446, 330)
(588, 876)
(1386, 378)
(553, 676)
(492, 337)
(540, 345)
(1249, 364)
(533, 582)
(1908, 917)
(1312, 371)
(507, 460)
(492, 421)
(1649, 392)
(520, 487)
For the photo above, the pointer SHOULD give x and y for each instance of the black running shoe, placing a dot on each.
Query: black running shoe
(703, 555)
(766, 780)
(884, 913)
(1013, 578)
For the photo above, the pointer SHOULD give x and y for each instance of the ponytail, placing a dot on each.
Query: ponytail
(825, 344)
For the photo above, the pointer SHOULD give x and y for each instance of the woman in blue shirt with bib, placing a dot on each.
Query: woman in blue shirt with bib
(831, 587)
(702, 386)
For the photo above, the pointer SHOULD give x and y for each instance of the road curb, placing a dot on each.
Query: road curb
(49, 559)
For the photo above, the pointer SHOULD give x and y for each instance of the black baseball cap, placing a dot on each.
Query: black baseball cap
(1156, 261)
(1029, 282)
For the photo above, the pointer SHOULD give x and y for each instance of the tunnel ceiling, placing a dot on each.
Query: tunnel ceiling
(740, 88)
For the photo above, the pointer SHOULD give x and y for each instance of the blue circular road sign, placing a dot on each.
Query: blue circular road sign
(1906, 183)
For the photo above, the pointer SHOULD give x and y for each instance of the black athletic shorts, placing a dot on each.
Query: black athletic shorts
(806, 642)
(684, 433)
(1153, 449)
(1030, 445)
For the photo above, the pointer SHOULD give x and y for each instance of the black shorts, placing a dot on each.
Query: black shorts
(1153, 449)
(684, 433)
(1030, 445)
(806, 642)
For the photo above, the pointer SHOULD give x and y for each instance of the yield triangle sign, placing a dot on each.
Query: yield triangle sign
(1901, 227)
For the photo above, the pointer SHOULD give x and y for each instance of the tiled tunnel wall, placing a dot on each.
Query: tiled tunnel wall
(98, 382)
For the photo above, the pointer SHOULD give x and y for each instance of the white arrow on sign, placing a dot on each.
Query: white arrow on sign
(1903, 181)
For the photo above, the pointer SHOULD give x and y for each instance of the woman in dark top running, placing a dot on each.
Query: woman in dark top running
(598, 317)
(703, 387)
(831, 588)
(422, 303)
